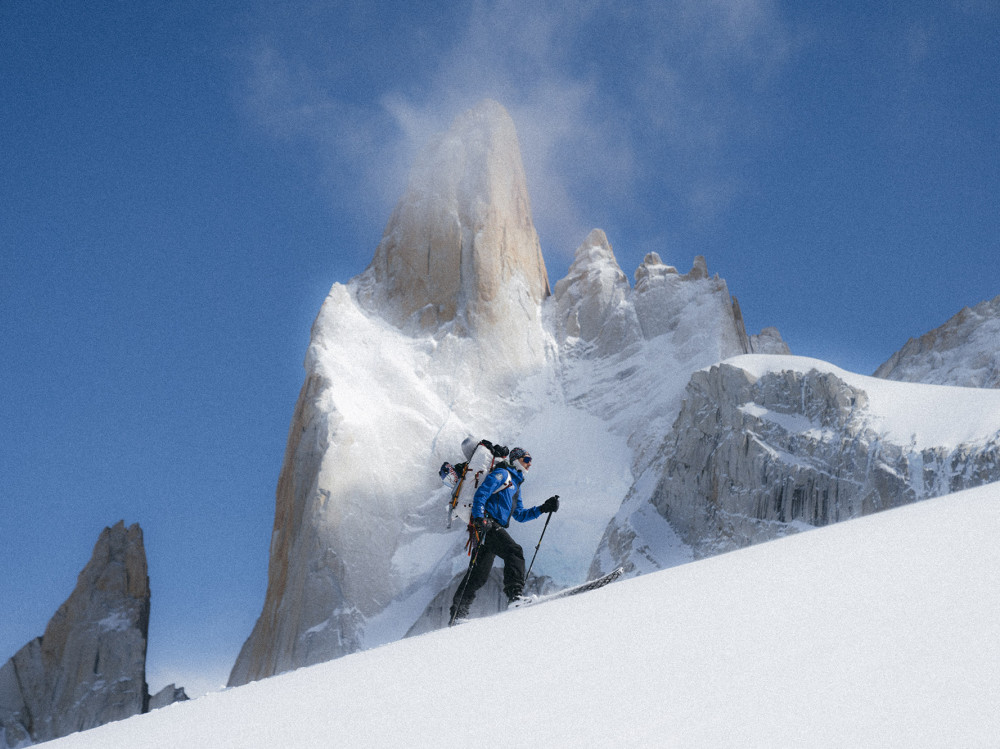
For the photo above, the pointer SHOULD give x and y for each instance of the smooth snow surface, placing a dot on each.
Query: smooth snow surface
(875, 632)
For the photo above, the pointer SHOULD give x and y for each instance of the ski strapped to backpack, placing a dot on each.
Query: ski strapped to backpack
(466, 477)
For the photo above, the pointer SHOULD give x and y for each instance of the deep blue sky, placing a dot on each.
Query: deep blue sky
(182, 184)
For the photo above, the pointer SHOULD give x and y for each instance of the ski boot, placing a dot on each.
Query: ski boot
(459, 614)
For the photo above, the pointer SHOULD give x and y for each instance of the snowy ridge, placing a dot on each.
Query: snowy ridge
(875, 632)
(765, 446)
(916, 414)
(964, 351)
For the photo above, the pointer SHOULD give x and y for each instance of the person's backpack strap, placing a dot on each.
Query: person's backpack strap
(505, 484)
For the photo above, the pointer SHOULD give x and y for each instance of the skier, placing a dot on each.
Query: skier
(497, 500)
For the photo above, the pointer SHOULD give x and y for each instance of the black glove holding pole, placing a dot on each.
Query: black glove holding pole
(551, 504)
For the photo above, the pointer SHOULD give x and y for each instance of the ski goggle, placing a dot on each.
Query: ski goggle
(526, 459)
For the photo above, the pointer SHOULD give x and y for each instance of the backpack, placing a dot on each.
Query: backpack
(466, 477)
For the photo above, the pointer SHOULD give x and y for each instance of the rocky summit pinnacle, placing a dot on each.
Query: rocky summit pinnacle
(460, 246)
(89, 668)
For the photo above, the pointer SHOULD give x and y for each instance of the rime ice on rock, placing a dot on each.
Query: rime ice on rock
(595, 305)
(592, 303)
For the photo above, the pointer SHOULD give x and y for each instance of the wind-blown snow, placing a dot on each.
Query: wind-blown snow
(875, 632)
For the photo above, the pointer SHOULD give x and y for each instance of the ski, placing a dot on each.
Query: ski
(599, 582)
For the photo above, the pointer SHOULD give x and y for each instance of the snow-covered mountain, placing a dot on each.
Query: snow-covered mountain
(426, 346)
(659, 452)
(878, 632)
(965, 351)
(451, 331)
(769, 445)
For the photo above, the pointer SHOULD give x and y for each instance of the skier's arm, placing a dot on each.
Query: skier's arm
(522, 515)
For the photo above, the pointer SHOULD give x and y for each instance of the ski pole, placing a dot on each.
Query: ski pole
(536, 548)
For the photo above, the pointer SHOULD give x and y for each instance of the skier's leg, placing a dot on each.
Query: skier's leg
(475, 578)
(513, 563)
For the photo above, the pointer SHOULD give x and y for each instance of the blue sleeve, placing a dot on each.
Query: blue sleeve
(490, 484)
(522, 515)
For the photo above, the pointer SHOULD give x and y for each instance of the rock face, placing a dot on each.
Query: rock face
(595, 305)
(757, 453)
(89, 668)
(461, 247)
(166, 696)
(769, 341)
(592, 303)
(965, 351)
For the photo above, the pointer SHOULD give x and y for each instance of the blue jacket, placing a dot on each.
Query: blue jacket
(503, 504)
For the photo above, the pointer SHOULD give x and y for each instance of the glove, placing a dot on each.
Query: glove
(499, 451)
(551, 504)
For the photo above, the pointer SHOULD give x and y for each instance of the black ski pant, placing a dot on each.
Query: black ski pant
(496, 543)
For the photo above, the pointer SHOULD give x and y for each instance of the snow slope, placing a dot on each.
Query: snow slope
(875, 632)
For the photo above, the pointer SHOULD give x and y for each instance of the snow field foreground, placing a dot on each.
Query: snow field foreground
(880, 631)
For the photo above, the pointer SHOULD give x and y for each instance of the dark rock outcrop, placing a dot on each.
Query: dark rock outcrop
(89, 668)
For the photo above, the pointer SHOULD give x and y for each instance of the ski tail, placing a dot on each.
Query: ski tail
(599, 582)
